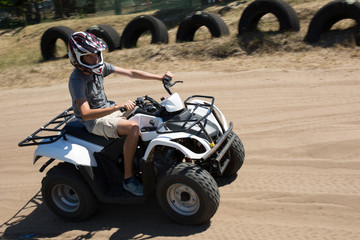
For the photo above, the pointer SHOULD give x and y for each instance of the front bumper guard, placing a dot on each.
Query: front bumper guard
(220, 154)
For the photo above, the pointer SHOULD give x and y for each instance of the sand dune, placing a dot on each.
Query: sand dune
(300, 180)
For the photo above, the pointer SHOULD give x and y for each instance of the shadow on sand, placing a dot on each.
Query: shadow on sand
(123, 221)
(34, 220)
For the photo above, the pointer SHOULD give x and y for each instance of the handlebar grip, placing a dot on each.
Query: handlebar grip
(167, 78)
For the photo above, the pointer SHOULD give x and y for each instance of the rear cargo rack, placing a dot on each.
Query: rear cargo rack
(50, 132)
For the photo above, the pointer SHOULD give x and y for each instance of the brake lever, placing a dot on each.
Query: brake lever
(168, 84)
(172, 84)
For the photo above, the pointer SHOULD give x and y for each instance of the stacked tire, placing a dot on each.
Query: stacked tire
(191, 23)
(330, 14)
(132, 32)
(287, 17)
(285, 14)
(141, 24)
(49, 38)
(108, 34)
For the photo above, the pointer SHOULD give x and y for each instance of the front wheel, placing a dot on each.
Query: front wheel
(67, 194)
(237, 155)
(188, 194)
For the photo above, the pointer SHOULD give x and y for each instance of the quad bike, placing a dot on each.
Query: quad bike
(182, 147)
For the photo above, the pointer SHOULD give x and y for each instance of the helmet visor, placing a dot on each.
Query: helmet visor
(91, 60)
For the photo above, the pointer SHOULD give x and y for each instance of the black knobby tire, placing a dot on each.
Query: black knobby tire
(67, 194)
(141, 24)
(237, 156)
(286, 15)
(188, 194)
(49, 37)
(107, 33)
(191, 23)
(330, 14)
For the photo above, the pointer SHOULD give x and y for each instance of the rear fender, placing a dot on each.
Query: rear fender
(168, 141)
(72, 150)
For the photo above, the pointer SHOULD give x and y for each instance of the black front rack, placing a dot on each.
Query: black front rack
(50, 132)
(193, 122)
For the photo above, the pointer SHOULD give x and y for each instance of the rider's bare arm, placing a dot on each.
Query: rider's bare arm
(132, 73)
(90, 114)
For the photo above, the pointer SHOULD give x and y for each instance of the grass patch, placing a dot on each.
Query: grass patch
(22, 64)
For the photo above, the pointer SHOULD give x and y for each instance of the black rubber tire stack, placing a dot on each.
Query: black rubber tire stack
(110, 36)
(330, 14)
(49, 37)
(141, 24)
(252, 14)
(191, 23)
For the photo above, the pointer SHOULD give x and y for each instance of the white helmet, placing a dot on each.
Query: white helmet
(83, 43)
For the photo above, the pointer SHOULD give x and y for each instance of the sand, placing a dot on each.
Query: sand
(300, 179)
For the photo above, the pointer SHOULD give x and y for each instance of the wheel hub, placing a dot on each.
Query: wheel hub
(185, 196)
(183, 199)
(65, 198)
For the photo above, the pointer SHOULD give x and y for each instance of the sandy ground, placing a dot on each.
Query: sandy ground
(300, 180)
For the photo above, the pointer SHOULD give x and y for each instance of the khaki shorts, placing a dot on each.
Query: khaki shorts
(105, 126)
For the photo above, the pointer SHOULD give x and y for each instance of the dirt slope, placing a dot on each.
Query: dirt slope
(300, 179)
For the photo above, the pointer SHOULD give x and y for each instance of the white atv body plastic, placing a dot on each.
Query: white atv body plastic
(182, 145)
(79, 152)
(173, 103)
(72, 150)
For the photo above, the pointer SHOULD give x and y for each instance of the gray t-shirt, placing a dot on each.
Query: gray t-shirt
(89, 86)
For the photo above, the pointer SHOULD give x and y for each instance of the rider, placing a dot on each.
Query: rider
(91, 106)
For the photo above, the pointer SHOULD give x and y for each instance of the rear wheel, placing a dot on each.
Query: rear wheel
(188, 194)
(67, 194)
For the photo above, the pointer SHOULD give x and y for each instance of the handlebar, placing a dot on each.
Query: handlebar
(167, 83)
(140, 102)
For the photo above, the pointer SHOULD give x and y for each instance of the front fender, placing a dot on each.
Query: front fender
(72, 150)
(166, 140)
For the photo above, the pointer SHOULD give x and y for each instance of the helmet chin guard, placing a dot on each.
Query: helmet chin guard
(81, 44)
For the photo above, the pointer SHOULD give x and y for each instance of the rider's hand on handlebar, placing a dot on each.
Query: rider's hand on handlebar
(128, 105)
(168, 76)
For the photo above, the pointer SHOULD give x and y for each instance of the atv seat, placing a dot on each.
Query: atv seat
(77, 129)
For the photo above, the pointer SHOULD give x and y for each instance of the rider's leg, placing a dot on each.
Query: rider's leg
(132, 132)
